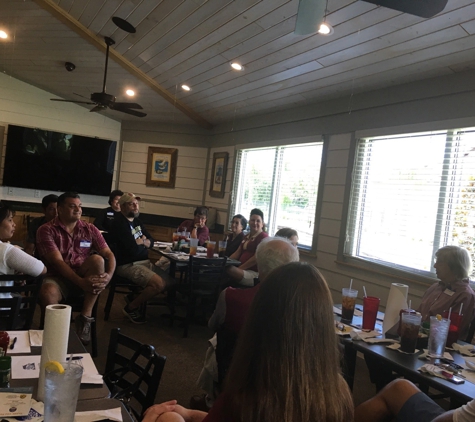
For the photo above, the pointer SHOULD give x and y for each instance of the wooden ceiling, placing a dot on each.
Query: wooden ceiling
(193, 42)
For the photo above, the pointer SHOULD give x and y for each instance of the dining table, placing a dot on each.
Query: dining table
(407, 365)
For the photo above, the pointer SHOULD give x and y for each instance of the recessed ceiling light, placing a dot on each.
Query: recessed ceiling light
(130, 92)
(186, 87)
(236, 66)
(3, 34)
(325, 29)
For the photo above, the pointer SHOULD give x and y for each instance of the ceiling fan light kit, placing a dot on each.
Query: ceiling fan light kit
(310, 16)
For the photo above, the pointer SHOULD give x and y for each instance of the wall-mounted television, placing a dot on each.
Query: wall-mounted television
(54, 161)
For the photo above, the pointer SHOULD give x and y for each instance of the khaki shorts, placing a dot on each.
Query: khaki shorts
(66, 287)
(139, 272)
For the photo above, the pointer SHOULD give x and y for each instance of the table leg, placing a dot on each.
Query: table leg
(349, 363)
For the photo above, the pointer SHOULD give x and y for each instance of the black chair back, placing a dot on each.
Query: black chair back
(205, 274)
(26, 288)
(471, 331)
(133, 372)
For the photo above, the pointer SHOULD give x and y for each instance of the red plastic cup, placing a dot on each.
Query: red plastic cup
(4, 341)
(370, 311)
(454, 328)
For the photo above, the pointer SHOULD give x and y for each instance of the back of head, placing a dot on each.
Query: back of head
(274, 252)
(457, 258)
(201, 211)
(113, 194)
(49, 199)
(62, 198)
(286, 365)
(286, 232)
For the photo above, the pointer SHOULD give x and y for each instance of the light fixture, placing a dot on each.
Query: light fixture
(325, 29)
(237, 66)
(186, 87)
(3, 35)
(130, 92)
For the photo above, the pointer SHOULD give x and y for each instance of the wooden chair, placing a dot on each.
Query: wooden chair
(203, 282)
(133, 372)
(25, 288)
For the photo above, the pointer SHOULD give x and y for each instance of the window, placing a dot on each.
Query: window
(411, 195)
(283, 183)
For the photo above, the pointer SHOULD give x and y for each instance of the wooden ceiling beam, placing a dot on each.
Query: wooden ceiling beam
(99, 43)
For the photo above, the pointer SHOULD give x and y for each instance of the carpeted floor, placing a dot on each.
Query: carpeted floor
(184, 355)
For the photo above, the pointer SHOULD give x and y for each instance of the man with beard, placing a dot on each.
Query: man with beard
(131, 242)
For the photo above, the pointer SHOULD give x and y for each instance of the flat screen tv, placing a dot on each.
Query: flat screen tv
(54, 161)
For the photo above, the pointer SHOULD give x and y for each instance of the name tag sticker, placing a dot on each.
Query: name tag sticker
(449, 292)
(85, 244)
(110, 213)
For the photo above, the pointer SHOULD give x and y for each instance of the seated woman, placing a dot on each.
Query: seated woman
(279, 373)
(290, 234)
(247, 271)
(234, 239)
(12, 259)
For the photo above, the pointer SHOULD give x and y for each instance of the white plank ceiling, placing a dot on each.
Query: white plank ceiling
(193, 42)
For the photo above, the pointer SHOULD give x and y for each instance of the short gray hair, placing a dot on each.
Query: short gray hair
(274, 252)
(457, 258)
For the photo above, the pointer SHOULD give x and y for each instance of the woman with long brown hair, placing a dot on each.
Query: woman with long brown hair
(286, 365)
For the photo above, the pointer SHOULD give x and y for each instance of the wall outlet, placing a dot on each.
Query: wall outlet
(10, 191)
(37, 193)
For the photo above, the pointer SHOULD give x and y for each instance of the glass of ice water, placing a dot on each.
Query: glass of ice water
(439, 329)
(61, 392)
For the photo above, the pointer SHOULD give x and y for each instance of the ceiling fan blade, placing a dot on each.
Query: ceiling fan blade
(72, 101)
(120, 106)
(132, 112)
(309, 16)
(97, 108)
(82, 96)
(421, 8)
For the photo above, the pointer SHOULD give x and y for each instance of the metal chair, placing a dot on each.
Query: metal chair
(133, 372)
(203, 282)
(26, 289)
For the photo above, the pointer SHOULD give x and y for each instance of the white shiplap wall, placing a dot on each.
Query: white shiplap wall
(24, 105)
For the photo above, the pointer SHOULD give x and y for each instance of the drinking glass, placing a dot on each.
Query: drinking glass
(176, 236)
(61, 392)
(370, 311)
(193, 246)
(438, 336)
(222, 247)
(210, 249)
(410, 326)
(348, 301)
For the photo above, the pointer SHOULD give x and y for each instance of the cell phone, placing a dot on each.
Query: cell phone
(452, 378)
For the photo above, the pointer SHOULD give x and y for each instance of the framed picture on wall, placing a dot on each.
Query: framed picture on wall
(161, 167)
(218, 174)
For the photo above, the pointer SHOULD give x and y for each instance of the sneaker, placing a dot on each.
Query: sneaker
(199, 403)
(134, 315)
(83, 328)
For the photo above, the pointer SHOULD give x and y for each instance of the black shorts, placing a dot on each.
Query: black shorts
(419, 408)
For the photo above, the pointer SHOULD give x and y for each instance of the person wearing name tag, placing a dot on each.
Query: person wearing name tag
(106, 217)
(452, 267)
(78, 258)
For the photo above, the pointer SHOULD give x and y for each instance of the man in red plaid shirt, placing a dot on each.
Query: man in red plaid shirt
(79, 261)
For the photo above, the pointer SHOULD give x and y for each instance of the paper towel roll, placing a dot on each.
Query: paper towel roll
(397, 300)
(55, 340)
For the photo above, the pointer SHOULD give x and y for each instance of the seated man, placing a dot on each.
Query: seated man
(106, 216)
(233, 305)
(402, 400)
(49, 205)
(131, 244)
(197, 226)
(76, 255)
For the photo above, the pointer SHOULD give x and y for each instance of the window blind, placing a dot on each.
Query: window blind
(412, 194)
(282, 182)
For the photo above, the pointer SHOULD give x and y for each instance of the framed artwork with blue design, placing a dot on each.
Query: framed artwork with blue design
(161, 167)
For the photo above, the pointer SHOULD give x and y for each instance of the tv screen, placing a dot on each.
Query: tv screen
(54, 161)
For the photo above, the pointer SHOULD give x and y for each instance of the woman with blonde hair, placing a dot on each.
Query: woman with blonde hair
(286, 365)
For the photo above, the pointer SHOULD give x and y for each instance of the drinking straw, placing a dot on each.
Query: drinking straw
(351, 282)
(461, 305)
(410, 303)
(364, 290)
(450, 311)
(69, 361)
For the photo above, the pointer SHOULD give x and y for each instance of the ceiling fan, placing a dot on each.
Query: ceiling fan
(311, 13)
(102, 100)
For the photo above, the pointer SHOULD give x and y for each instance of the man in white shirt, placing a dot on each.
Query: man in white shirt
(404, 402)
